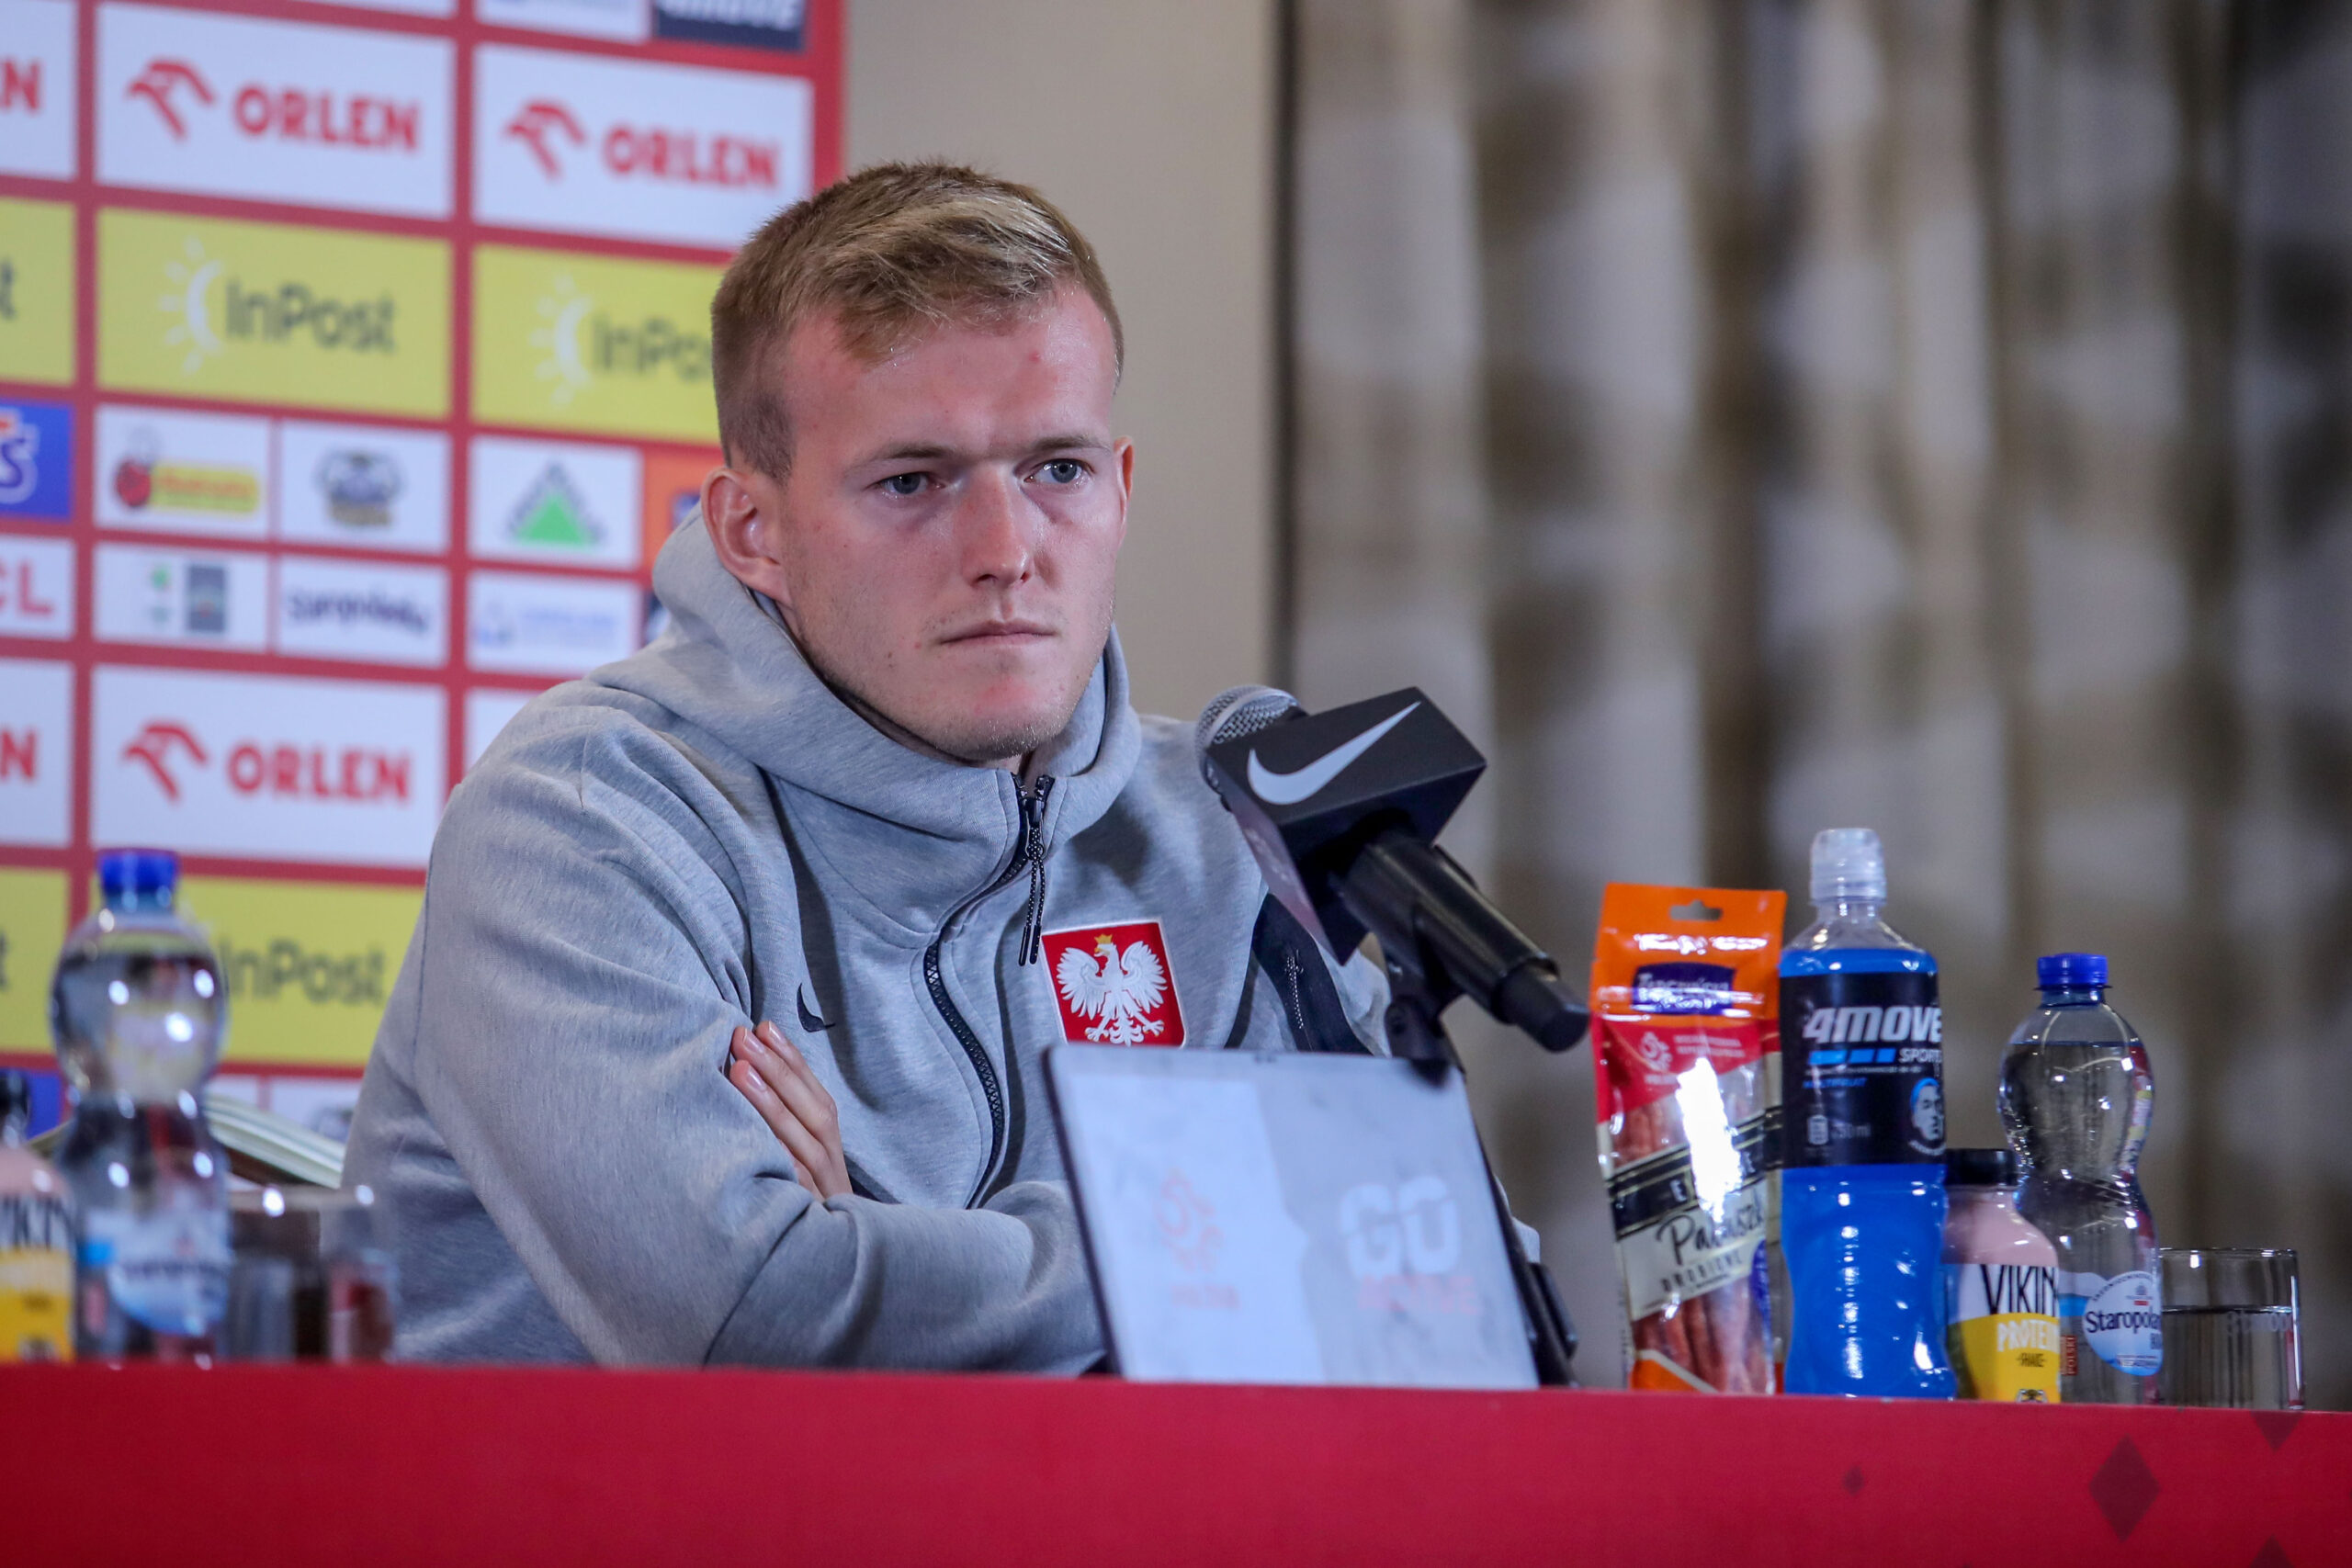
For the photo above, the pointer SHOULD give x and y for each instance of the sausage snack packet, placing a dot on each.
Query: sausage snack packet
(1686, 1000)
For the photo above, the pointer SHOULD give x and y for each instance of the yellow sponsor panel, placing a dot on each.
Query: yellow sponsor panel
(36, 291)
(567, 342)
(32, 930)
(324, 318)
(309, 964)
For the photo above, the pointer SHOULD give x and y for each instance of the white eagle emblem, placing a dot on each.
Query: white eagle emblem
(1116, 990)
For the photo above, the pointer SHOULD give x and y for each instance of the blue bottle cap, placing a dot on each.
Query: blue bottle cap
(2070, 971)
(137, 874)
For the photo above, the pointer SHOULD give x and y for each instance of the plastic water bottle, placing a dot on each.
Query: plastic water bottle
(2076, 1096)
(138, 1010)
(1862, 1140)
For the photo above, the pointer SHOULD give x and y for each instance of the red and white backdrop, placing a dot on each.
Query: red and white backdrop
(354, 364)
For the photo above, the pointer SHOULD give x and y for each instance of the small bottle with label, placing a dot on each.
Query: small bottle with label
(2076, 1098)
(36, 1241)
(2000, 1285)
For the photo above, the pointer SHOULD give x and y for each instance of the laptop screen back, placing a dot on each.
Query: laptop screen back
(1260, 1217)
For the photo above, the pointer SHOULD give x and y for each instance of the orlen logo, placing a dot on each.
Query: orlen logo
(177, 89)
(538, 125)
(161, 81)
(1403, 1246)
(168, 749)
(547, 128)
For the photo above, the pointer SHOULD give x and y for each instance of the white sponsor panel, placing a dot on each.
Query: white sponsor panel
(487, 711)
(183, 473)
(409, 7)
(36, 753)
(684, 154)
(554, 501)
(181, 597)
(518, 623)
(363, 485)
(275, 111)
(388, 614)
(631, 20)
(38, 81)
(36, 587)
(348, 772)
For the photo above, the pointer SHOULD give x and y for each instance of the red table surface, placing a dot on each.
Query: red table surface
(345, 1466)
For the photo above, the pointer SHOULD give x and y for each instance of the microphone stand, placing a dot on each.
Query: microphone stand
(1418, 993)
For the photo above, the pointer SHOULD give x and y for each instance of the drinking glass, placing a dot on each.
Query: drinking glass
(2231, 1335)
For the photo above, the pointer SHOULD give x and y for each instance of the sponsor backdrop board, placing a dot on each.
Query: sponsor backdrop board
(354, 367)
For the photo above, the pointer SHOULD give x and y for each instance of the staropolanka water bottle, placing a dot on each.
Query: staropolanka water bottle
(137, 1012)
(1861, 1139)
(2076, 1096)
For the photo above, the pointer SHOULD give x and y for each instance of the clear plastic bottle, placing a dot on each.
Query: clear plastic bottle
(2076, 1096)
(1862, 1140)
(137, 1012)
(36, 1241)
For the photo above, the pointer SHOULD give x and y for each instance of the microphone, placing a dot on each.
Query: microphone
(1341, 809)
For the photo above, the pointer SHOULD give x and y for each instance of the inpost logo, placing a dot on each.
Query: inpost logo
(270, 311)
(309, 964)
(580, 342)
(205, 318)
(587, 342)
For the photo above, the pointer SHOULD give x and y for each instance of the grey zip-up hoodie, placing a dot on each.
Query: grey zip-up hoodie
(704, 836)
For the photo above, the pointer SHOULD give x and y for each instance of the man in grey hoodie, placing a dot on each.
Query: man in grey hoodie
(718, 1040)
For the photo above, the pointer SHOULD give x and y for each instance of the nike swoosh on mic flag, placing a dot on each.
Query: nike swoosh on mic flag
(1301, 784)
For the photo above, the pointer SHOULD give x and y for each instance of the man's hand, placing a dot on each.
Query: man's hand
(768, 1070)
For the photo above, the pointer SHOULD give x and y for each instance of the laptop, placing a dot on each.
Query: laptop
(1287, 1218)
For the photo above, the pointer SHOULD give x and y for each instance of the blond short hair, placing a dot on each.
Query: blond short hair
(888, 253)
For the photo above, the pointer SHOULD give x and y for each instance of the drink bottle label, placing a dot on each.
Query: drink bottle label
(2004, 1330)
(1862, 1067)
(168, 1267)
(36, 1279)
(2120, 1317)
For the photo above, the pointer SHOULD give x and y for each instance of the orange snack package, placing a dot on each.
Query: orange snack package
(1685, 1036)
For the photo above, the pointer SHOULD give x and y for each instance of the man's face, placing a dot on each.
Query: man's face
(944, 543)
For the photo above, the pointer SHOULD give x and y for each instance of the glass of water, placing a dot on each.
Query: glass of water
(2231, 1334)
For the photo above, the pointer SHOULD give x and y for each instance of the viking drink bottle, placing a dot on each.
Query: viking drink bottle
(137, 1012)
(1861, 1140)
(2076, 1096)
(36, 1241)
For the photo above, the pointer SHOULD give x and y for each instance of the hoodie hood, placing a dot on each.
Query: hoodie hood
(727, 666)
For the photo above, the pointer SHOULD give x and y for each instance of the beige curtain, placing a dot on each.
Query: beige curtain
(1893, 411)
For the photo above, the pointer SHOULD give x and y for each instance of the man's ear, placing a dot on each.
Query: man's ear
(740, 510)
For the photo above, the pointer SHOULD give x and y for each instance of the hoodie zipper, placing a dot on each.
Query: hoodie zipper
(1028, 854)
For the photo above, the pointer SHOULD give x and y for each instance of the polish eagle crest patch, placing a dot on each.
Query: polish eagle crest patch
(1114, 985)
